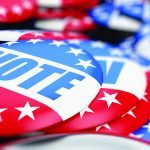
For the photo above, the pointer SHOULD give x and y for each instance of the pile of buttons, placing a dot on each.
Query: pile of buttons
(60, 88)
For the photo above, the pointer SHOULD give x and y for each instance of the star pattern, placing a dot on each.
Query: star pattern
(37, 34)
(27, 5)
(116, 52)
(145, 30)
(17, 10)
(27, 110)
(75, 51)
(85, 63)
(57, 34)
(147, 126)
(74, 41)
(136, 136)
(144, 97)
(110, 98)
(97, 44)
(34, 41)
(11, 43)
(3, 11)
(104, 125)
(57, 43)
(131, 113)
(87, 109)
(1, 111)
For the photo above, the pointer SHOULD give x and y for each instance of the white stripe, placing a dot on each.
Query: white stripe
(10, 35)
(71, 102)
(53, 24)
(50, 3)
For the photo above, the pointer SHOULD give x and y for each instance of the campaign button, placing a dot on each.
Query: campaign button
(109, 16)
(140, 11)
(119, 93)
(42, 83)
(14, 35)
(17, 10)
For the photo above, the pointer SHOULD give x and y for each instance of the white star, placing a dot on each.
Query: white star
(104, 15)
(136, 136)
(72, 33)
(37, 34)
(130, 113)
(87, 20)
(104, 125)
(85, 63)
(2, 110)
(145, 30)
(144, 97)
(57, 34)
(34, 41)
(27, 110)
(147, 126)
(74, 41)
(76, 22)
(17, 10)
(57, 43)
(110, 98)
(87, 109)
(11, 43)
(3, 11)
(116, 52)
(27, 5)
(75, 51)
(98, 44)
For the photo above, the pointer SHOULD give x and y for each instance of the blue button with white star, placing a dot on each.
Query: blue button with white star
(109, 16)
(51, 72)
(139, 11)
(118, 68)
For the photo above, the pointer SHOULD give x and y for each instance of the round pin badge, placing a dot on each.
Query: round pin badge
(119, 93)
(42, 83)
(79, 141)
(138, 115)
(109, 16)
(142, 133)
(14, 35)
(83, 23)
(17, 10)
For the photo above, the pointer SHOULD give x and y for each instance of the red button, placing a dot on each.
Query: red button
(16, 10)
